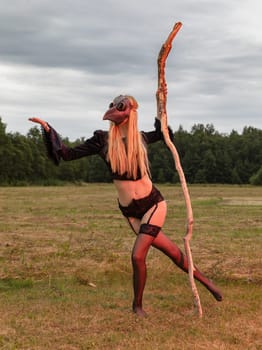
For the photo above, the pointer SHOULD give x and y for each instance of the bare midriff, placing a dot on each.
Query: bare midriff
(130, 189)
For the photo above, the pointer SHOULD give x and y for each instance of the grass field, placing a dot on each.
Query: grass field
(65, 276)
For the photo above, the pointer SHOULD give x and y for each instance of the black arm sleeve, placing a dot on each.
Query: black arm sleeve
(53, 144)
(156, 135)
(57, 150)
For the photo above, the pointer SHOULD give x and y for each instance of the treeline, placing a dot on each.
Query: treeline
(206, 157)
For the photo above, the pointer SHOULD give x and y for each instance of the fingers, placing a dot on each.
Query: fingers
(41, 122)
(36, 120)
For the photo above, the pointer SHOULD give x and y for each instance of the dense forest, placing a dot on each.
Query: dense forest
(206, 157)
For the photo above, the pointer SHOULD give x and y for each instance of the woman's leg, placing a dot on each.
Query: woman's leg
(169, 248)
(139, 253)
(152, 220)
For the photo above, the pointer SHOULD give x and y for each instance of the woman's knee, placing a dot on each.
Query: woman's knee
(138, 258)
(141, 247)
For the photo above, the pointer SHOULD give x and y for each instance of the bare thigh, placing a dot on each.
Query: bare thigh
(154, 216)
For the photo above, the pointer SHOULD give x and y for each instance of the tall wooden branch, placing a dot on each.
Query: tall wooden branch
(161, 97)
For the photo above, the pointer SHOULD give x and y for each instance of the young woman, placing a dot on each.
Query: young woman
(123, 148)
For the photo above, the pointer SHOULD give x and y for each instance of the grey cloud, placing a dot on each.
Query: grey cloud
(66, 60)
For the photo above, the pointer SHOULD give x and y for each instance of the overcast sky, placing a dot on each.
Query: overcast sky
(64, 61)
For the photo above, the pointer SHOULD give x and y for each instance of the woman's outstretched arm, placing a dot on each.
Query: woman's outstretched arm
(56, 149)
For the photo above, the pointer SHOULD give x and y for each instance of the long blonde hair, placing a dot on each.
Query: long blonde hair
(128, 155)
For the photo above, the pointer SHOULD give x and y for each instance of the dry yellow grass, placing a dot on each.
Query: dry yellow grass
(65, 276)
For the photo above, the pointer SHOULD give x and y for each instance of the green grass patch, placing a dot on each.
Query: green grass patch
(13, 285)
(66, 275)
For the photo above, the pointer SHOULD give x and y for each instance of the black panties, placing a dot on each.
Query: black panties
(138, 207)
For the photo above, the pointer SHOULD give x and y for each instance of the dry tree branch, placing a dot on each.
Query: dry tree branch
(161, 97)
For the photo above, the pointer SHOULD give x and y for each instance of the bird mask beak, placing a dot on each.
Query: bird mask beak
(119, 110)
